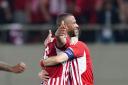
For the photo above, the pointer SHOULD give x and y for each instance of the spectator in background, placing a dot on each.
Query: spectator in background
(38, 12)
(19, 15)
(107, 9)
(107, 15)
(16, 34)
(123, 6)
(71, 6)
(85, 11)
(121, 35)
(10, 2)
(5, 13)
(57, 7)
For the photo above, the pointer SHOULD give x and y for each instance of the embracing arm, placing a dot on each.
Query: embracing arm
(54, 60)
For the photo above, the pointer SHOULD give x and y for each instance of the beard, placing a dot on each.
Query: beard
(73, 33)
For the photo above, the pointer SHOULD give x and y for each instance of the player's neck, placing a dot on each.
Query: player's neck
(73, 40)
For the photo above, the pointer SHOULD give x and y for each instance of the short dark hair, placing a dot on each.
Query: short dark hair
(62, 17)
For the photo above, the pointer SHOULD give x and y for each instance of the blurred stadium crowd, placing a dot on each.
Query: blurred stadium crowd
(105, 13)
(45, 11)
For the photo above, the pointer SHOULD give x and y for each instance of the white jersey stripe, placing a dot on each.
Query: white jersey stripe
(76, 71)
(67, 72)
(62, 78)
(53, 81)
(73, 75)
(49, 81)
(57, 81)
(79, 75)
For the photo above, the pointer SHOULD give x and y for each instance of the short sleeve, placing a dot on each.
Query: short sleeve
(76, 50)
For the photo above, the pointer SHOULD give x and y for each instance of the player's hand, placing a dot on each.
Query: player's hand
(48, 39)
(61, 31)
(19, 68)
(43, 75)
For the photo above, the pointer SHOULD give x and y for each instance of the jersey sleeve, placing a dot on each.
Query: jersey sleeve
(75, 51)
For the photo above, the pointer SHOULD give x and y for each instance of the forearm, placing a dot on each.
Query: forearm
(54, 60)
(61, 35)
(5, 67)
(61, 41)
(49, 61)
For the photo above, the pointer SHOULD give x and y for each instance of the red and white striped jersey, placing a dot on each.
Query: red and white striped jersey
(58, 74)
(76, 71)
(80, 64)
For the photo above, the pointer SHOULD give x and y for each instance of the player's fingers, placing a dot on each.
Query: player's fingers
(62, 22)
(60, 33)
(45, 79)
(50, 32)
(46, 76)
(45, 72)
(48, 39)
(61, 30)
(43, 76)
(62, 26)
(21, 69)
(40, 75)
(23, 65)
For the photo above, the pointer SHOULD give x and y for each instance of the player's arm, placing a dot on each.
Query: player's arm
(4, 67)
(15, 69)
(70, 53)
(61, 35)
(54, 60)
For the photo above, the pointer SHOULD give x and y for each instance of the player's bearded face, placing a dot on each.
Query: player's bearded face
(73, 28)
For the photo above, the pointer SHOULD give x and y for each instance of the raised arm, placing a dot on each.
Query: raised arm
(61, 35)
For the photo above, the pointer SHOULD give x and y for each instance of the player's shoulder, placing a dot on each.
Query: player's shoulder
(82, 44)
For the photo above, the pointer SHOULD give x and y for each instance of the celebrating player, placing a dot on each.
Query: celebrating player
(75, 61)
